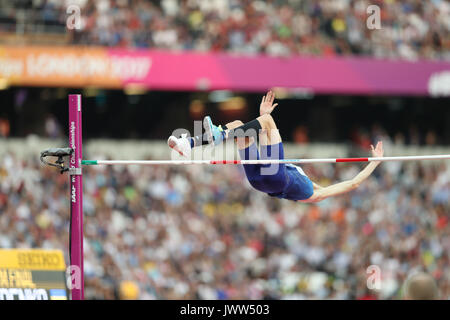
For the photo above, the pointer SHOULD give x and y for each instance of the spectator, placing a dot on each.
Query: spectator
(421, 286)
(202, 233)
(52, 127)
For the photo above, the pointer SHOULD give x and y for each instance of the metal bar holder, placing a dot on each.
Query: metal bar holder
(62, 162)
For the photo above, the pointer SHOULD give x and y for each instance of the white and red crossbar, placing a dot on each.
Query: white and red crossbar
(298, 161)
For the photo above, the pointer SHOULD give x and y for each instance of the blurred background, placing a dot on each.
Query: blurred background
(146, 68)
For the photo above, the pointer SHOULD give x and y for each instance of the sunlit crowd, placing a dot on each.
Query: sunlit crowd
(403, 29)
(201, 232)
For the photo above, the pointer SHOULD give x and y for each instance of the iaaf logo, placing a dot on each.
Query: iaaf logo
(74, 194)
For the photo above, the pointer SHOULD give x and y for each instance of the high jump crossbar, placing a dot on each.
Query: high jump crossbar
(74, 168)
(276, 161)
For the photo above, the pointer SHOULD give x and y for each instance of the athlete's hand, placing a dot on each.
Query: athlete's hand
(378, 150)
(267, 106)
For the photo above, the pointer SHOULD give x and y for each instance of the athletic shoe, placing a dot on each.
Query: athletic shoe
(213, 133)
(181, 145)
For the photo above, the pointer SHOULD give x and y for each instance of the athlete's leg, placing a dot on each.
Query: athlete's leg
(271, 148)
(248, 150)
(269, 134)
(265, 122)
(242, 142)
(183, 144)
(265, 178)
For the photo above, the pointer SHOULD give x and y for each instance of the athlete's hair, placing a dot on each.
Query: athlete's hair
(420, 286)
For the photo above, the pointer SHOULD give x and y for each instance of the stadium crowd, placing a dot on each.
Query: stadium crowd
(200, 232)
(409, 29)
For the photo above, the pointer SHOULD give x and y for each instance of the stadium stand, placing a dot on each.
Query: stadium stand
(410, 29)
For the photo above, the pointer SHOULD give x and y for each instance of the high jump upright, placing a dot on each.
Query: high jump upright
(76, 275)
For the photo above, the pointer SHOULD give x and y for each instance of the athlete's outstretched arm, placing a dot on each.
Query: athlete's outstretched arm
(321, 193)
(267, 105)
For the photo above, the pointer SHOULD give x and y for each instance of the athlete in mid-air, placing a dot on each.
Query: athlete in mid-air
(287, 181)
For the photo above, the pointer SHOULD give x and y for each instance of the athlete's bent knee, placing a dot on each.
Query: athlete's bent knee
(267, 121)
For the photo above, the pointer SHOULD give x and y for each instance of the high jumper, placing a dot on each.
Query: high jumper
(285, 180)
